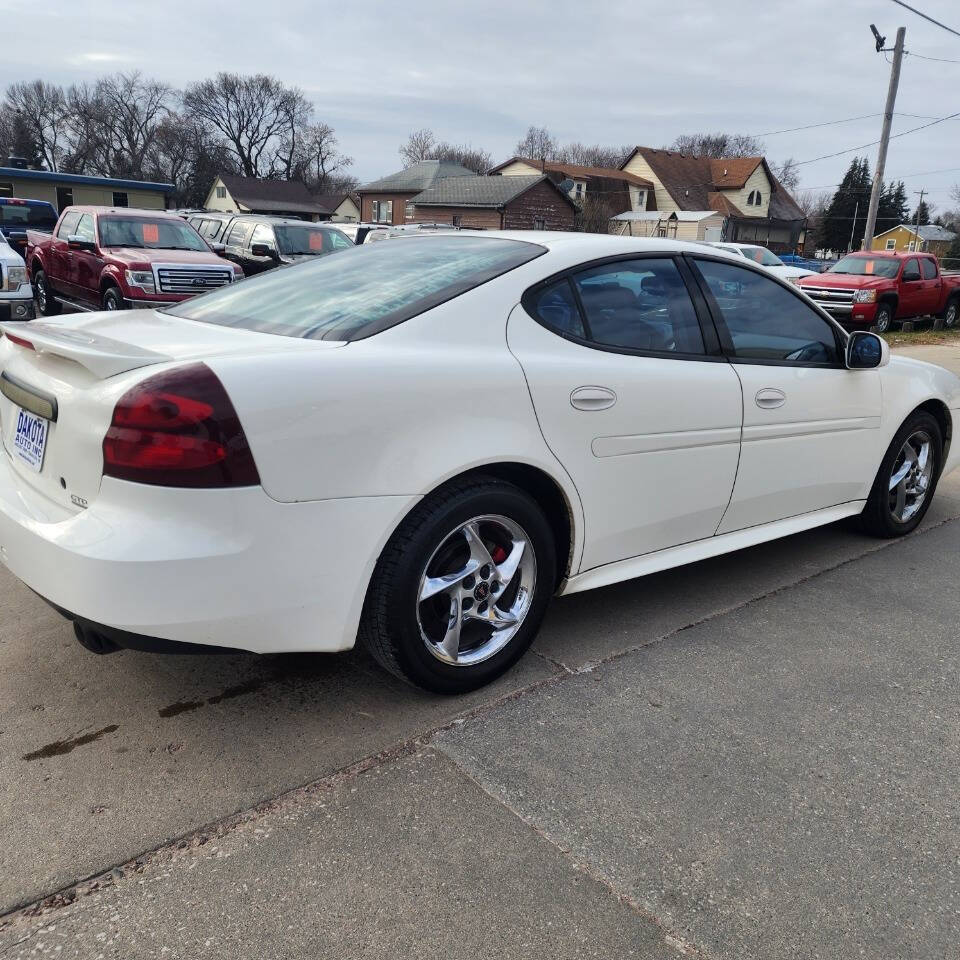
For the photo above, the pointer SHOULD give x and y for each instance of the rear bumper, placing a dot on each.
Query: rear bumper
(220, 568)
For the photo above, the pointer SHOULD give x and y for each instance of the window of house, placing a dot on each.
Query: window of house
(759, 199)
(408, 210)
(640, 199)
(221, 193)
(911, 246)
(578, 190)
(119, 199)
(661, 230)
(458, 221)
(753, 193)
(539, 223)
(6, 189)
(64, 198)
(892, 244)
(383, 211)
(766, 322)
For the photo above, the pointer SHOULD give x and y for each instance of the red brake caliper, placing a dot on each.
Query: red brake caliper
(498, 555)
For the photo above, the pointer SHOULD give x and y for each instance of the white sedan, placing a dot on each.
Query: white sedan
(423, 441)
(766, 258)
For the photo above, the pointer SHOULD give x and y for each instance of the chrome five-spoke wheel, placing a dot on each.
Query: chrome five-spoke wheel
(476, 590)
(911, 476)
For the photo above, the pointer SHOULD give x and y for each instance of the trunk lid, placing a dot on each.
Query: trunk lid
(84, 363)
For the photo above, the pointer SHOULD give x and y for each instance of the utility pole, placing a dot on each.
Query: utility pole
(885, 132)
(916, 231)
(853, 226)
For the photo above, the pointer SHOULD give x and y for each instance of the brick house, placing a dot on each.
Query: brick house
(496, 203)
(757, 207)
(386, 200)
(619, 190)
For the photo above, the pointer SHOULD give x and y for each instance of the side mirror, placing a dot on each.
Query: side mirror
(263, 250)
(219, 248)
(866, 351)
(909, 277)
(75, 242)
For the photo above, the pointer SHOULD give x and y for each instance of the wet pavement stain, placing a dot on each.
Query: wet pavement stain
(60, 747)
(238, 690)
(181, 706)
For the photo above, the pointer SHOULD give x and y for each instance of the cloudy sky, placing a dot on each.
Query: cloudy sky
(610, 71)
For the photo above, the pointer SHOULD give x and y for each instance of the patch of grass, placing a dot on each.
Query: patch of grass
(921, 337)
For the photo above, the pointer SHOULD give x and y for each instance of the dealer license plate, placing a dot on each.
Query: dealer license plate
(29, 440)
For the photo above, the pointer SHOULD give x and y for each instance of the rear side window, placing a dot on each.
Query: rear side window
(68, 225)
(362, 290)
(557, 309)
(640, 305)
(239, 234)
(765, 321)
(928, 269)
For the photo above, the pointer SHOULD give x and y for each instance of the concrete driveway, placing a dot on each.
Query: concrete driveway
(755, 756)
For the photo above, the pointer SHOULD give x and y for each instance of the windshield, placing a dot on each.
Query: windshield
(296, 240)
(886, 267)
(762, 256)
(361, 291)
(151, 233)
(27, 216)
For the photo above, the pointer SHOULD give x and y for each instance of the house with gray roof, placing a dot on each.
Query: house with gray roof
(387, 200)
(531, 202)
(281, 198)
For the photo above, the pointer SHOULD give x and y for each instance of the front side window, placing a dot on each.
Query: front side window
(262, 234)
(911, 270)
(928, 269)
(640, 305)
(68, 225)
(764, 320)
(119, 199)
(362, 291)
(152, 233)
(84, 229)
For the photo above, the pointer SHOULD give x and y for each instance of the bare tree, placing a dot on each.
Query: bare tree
(718, 145)
(319, 160)
(787, 173)
(258, 118)
(473, 158)
(538, 144)
(418, 147)
(592, 156)
(186, 154)
(39, 108)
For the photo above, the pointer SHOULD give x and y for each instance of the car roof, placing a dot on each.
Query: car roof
(889, 254)
(123, 211)
(18, 202)
(266, 218)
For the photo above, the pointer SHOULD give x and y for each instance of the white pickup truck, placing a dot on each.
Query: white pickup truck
(16, 294)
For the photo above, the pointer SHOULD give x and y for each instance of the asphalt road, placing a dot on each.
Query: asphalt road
(755, 756)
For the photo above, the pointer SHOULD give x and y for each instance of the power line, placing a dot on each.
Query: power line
(925, 16)
(873, 143)
(810, 126)
(910, 53)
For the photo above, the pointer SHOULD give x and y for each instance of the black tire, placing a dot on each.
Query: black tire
(883, 318)
(878, 518)
(391, 627)
(113, 299)
(47, 305)
(951, 312)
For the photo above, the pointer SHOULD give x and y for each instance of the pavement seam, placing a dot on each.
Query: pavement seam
(296, 796)
(671, 937)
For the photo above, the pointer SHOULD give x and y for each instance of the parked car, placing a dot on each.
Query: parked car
(16, 294)
(17, 216)
(880, 289)
(766, 258)
(424, 440)
(259, 243)
(112, 259)
(358, 232)
(211, 224)
(808, 263)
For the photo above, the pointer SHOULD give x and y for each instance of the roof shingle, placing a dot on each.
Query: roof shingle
(270, 195)
(416, 178)
(481, 191)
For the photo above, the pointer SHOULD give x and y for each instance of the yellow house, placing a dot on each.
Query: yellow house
(68, 189)
(905, 238)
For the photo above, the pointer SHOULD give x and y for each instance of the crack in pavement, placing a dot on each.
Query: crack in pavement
(297, 796)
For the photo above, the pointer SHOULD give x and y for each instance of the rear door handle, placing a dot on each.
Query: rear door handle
(592, 398)
(770, 397)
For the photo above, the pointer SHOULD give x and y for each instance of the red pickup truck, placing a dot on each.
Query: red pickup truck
(880, 289)
(100, 258)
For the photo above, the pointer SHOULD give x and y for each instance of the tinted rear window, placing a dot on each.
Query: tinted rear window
(361, 291)
(27, 216)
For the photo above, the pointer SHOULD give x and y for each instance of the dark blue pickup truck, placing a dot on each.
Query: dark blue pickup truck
(18, 216)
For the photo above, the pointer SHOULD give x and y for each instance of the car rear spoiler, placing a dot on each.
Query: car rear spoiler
(102, 356)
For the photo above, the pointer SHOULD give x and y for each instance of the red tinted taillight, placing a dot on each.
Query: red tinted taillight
(179, 429)
(20, 342)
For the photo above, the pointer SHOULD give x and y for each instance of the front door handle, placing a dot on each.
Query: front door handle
(770, 398)
(592, 398)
